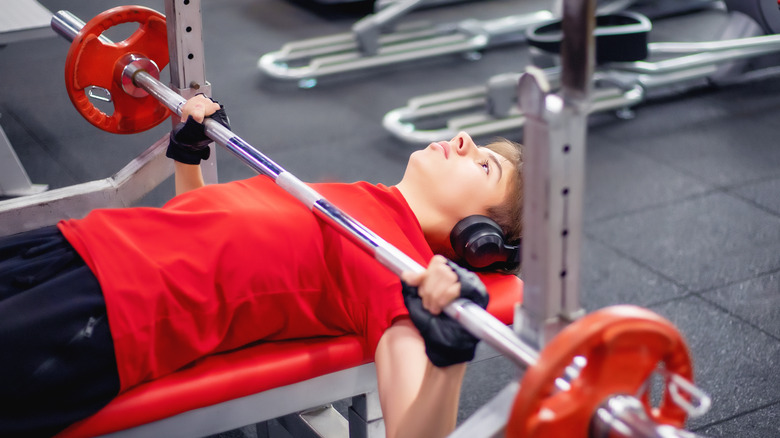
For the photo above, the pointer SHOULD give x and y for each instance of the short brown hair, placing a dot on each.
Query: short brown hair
(509, 214)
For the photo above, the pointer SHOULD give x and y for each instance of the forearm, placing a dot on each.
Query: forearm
(187, 177)
(435, 350)
(434, 411)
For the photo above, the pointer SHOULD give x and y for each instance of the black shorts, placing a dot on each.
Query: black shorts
(57, 362)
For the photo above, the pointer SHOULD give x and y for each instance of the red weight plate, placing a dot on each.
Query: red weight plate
(92, 62)
(623, 346)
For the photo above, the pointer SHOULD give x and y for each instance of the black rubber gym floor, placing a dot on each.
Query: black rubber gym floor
(682, 208)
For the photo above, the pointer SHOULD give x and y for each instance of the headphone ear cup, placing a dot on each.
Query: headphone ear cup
(478, 241)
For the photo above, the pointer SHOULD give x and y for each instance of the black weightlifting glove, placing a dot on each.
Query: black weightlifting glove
(188, 142)
(446, 341)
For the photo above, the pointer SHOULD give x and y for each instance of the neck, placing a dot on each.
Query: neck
(433, 224)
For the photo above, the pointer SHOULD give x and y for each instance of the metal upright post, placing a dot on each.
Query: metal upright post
(187, 61)
(554, 138)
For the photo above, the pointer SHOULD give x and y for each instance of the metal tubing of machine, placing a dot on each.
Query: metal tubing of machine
(475, 319)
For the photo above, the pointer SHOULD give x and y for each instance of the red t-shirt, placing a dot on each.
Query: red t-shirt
(229, 264)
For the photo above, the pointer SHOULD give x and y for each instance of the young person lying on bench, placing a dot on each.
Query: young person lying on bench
(94, 306)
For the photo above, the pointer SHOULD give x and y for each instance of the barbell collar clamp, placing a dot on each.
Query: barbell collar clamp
(134, 64)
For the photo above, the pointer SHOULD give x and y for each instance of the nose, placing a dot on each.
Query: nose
(463, 143)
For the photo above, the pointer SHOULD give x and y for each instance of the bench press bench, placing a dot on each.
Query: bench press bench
(258, 383)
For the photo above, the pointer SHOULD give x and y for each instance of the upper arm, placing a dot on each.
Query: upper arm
(400, 366)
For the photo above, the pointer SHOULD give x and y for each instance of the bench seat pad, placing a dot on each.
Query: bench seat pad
(253, 369)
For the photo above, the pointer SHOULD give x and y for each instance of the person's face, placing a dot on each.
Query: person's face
(459, 178)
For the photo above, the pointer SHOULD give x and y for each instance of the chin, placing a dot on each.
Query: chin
(419, 171)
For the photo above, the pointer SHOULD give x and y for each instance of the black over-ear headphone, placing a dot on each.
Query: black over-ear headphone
(480, 243)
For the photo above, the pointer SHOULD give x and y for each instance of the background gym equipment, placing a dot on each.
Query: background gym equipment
(659, 69)
(552, 295)
(379, 40)
(379, 4)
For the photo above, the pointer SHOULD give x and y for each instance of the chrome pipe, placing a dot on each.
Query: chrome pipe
(770, 42)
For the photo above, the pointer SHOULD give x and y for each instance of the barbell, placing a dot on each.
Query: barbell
(617, 348)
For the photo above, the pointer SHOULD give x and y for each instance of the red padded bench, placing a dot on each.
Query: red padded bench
(256, 383)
